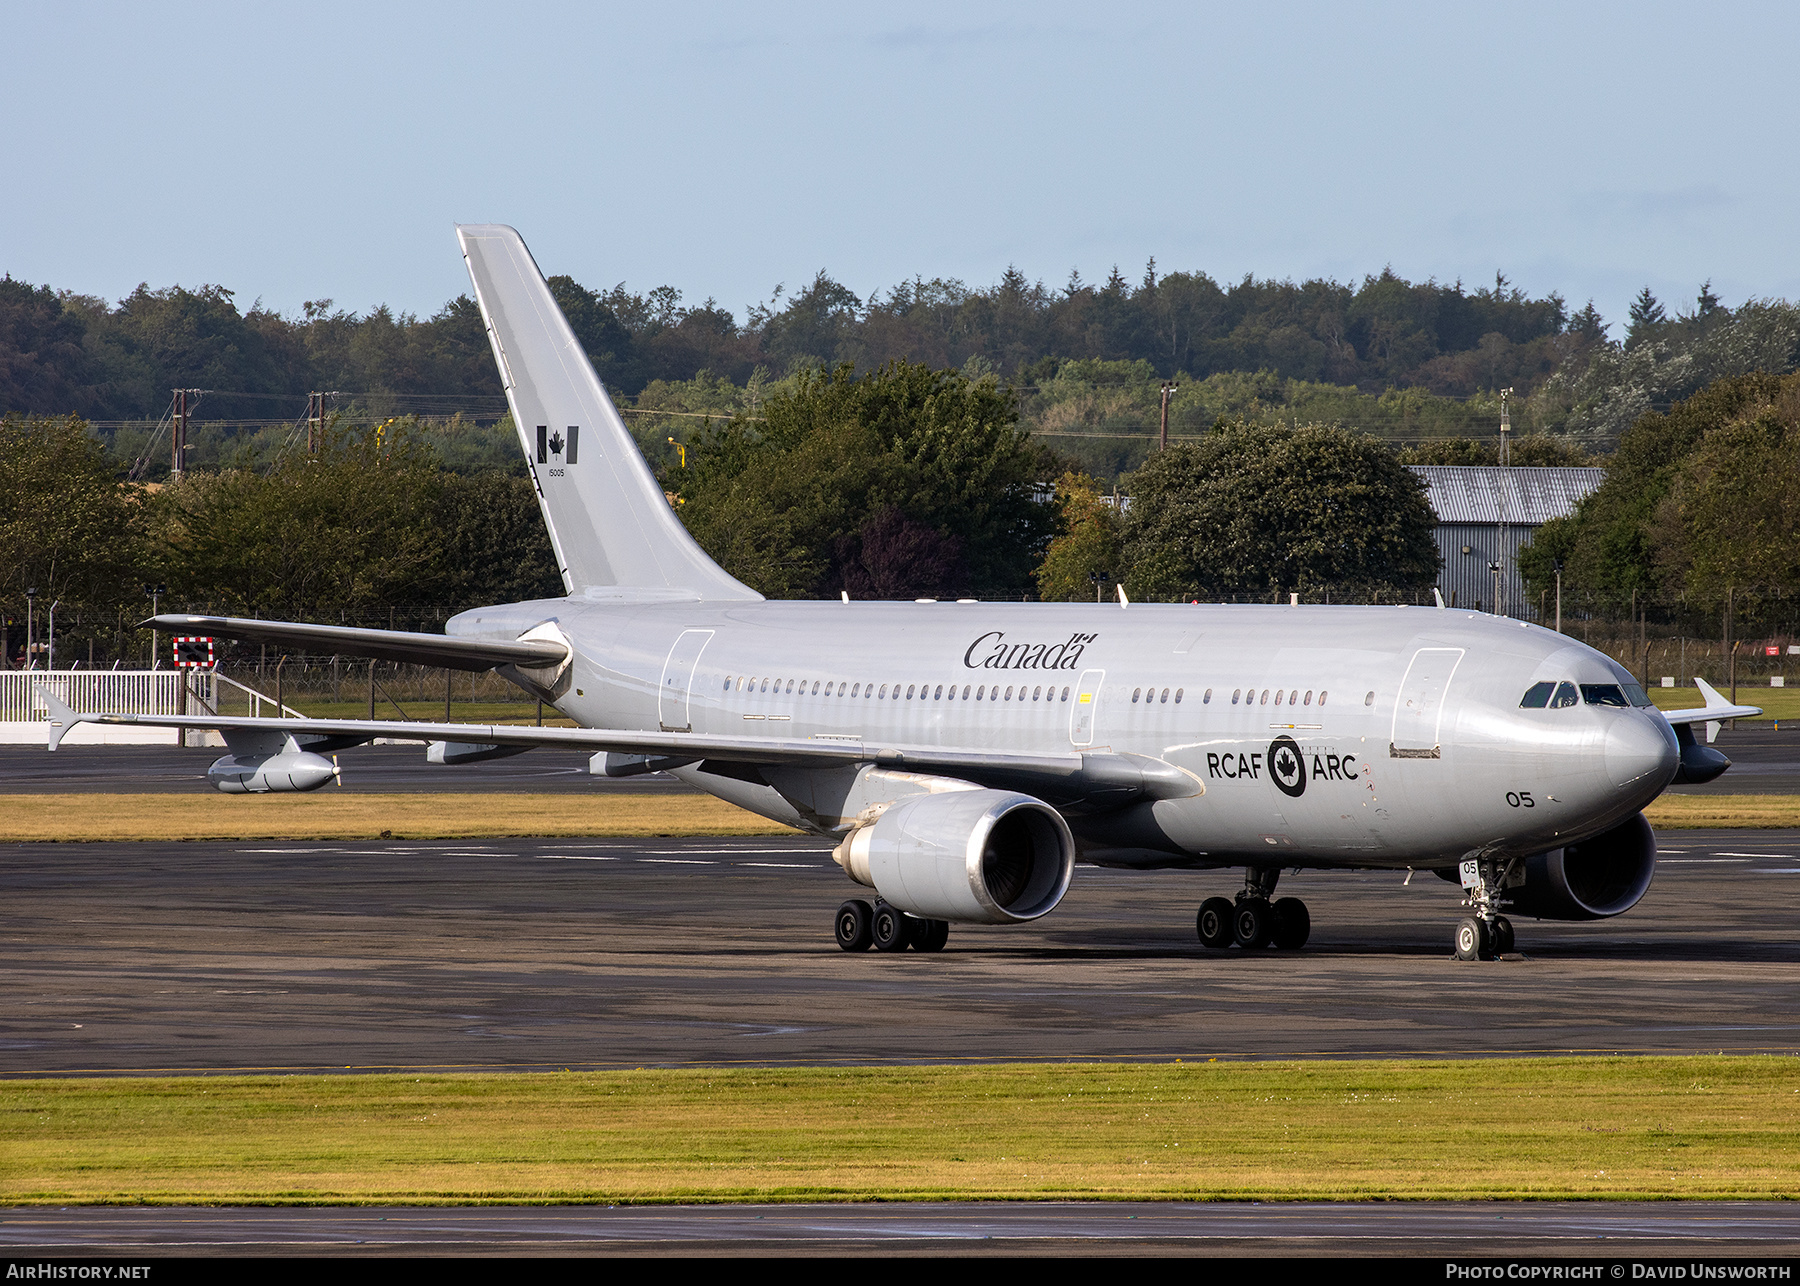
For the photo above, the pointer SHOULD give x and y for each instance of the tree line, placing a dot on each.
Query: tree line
(1414, 363)
(65, 353)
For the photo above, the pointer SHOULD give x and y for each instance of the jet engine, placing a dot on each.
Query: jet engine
(1599, 877)
(976, 856)
(289, 768)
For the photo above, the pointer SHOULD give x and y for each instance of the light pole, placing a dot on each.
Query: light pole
(30, 627)
(1099, 579)
(52, 661)
(1557, 564)
(154, 592)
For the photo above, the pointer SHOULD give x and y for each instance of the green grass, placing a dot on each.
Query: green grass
(1713, 1127)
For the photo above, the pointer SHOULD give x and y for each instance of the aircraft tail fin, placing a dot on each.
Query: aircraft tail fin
(610, 523)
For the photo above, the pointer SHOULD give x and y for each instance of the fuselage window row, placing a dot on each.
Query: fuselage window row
(1536, 698)
(1292, 697)
(914, 691)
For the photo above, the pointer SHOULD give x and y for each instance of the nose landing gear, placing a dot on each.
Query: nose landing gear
(1485, 935)
(1254, 921)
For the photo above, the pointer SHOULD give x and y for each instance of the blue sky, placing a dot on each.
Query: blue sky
(325, 150)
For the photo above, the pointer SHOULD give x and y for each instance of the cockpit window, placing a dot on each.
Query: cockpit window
(1636, 695)
(1565, 696)
(1603, 694)
(1537, 696)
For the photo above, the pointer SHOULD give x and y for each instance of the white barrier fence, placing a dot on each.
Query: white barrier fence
(23, 715)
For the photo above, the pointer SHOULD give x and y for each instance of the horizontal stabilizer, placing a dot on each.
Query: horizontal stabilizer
(437, 650)
(1716, 709)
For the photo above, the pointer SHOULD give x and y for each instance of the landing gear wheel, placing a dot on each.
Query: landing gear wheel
(1503, 936)
(1213, 923)
(853, 925)
(1293, 924)
(1253, 922)
(930, 935)
(1473, 941)
(888, 929)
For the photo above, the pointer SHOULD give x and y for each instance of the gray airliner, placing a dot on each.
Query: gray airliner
(964, 755)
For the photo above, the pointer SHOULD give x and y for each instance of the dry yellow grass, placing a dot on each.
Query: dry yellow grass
(1725, 812)
(331, 814)
(1536, 1128)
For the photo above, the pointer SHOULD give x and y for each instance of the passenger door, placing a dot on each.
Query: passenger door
(675, 692)
(1419, 705)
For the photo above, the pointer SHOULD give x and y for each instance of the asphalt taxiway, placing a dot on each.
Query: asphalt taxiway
(599, 953)
(1590, 1232)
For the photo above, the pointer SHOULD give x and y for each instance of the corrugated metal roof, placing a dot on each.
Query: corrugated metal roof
(1487, 493)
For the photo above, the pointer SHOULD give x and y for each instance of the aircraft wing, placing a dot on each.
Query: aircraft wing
(440, 650)
(1075, 777)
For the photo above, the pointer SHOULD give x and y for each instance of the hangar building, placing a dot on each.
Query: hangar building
(1484, 511)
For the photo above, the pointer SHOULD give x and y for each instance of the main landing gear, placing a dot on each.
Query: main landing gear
(1486, 934)
(1253, 920)
(887, 928)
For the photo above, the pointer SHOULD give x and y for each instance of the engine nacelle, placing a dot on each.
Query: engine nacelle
(1599, 877)
(289, 768)
(975, 856)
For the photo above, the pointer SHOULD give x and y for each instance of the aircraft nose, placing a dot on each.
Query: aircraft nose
(1641, 749)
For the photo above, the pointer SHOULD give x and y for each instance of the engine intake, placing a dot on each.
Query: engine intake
(976, 856)
(1597, 878)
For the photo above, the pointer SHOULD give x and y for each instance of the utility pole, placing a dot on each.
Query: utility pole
(1168, 390)
(315, 421)
(1633, 625)
(1505, 487)
(1557, 564)
(30, 624)
(178, 434)
(154, 593)
(1730, 650)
